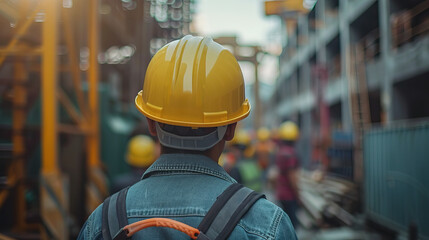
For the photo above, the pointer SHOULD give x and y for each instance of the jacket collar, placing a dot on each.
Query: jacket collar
(186, 163)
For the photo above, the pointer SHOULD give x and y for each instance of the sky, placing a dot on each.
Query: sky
(243, 18)
(246, 20)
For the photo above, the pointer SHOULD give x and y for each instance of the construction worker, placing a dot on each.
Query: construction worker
(193, 97)
(287, 163)
(140, 155)
(264, 150)
(246, 169)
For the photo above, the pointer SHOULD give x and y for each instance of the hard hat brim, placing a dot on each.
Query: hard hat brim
(155, 113)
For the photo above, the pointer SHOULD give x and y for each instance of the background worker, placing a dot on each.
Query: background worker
(140, 155)
(287, 163)
(193, 97)
(264, 151)
(246, 170)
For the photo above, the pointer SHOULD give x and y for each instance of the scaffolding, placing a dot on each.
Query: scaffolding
(39, 22)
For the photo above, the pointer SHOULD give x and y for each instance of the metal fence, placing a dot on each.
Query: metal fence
(397, 177)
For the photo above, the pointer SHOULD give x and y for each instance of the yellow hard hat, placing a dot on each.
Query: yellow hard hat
(141, 151)
(289, 131)
(263, 134)
(241, 137)
(193, 82)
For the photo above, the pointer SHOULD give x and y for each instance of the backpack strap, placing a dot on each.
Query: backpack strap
(218, 223)
(114, 216)
(227, 211)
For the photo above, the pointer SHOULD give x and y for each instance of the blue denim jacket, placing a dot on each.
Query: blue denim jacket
(183, 187)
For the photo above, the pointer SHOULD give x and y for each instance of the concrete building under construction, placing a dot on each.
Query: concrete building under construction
(349, 69)
(383, 44)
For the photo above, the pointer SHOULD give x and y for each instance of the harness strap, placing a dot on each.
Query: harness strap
(227, 211)
(105, 220)
(240, 211)
(217, 206)
(121, 208)
(114, 215)
(218, 223)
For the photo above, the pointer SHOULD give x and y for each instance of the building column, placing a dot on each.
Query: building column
(321, 46)
(386, 47)
(345, 65)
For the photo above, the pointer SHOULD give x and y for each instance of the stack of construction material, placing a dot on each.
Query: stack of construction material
(327, 201)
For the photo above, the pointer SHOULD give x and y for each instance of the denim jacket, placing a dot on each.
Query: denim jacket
(183, 187)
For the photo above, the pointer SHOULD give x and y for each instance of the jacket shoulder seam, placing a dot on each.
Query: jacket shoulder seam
(275, 224)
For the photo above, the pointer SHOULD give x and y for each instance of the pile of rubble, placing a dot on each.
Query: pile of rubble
(327, 201)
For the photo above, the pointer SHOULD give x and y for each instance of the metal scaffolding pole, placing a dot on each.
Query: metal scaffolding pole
(96, 187)
(54, 197)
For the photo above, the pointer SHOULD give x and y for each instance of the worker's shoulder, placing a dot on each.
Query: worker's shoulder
(93, 225)
(268, 221)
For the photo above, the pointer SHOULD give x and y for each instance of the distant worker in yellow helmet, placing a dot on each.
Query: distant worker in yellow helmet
(287, 163)
(264, 149)
(193, 96)
(141, 153)
(246, 169)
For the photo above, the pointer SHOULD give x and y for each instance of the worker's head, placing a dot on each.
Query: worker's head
(193, 94)
(141, 151)
(288, 132)
(242, 141)
(263, 134)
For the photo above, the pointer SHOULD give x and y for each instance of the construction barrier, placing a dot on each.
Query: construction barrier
(396, 178)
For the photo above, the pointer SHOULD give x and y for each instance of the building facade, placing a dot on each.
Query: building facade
(351, 63)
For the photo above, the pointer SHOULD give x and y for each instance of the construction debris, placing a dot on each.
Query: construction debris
(327, 201)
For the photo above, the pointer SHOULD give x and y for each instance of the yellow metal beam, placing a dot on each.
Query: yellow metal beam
(20, 32)
(54, 186)
(49, 88)
(21, 51)
(93, 139)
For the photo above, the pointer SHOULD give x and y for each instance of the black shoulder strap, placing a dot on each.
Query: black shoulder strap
(114, 215)
(227, 211)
